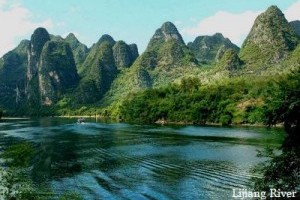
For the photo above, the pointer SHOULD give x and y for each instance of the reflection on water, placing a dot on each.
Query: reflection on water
(121, 161)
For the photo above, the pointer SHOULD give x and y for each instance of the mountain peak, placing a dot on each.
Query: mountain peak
(71, 36)
(270, 39)
(218, 35)
(39, 37)
(72, 40)
(107, 38)
(40, 31)
(169, 27)
(274, 9)
(166, 32)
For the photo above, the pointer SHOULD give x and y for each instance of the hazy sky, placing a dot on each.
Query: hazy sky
(133, 21)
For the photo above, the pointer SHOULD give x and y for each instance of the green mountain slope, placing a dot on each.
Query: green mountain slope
(53, 75)
(165, 59)
(270, 39)
(101, 67)
(13, 75)
(208, 49)
(80, 51)
(57, 71)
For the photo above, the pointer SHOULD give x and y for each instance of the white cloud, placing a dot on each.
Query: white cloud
(293, 12)
(234, 26)
(16, 22)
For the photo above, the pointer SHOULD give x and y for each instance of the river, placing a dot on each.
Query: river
(121, 161)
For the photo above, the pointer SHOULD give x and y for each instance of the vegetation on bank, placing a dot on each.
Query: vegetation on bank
(239, 100)
(283, 171)
(16, 176)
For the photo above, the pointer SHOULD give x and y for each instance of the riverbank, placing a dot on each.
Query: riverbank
(158, 122)
(166, 122)
(14, 118)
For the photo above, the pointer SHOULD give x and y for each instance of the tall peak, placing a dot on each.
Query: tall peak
(166, 32)
(39, 37)
(71, 36)
(270, 39)
(169, 27)
(218, 35)
(107, 38)
(273, 9)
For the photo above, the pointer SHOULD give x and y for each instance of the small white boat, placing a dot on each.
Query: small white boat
(80, 120)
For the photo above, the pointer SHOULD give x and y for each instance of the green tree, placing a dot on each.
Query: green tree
(283, 171)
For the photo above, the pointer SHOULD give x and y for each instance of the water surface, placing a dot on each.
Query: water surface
(121, 161)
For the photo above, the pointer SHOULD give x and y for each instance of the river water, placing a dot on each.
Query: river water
(121, 161)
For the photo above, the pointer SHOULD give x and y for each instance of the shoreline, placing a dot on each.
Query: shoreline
(158, 122)
(259, 125)
(12, 118)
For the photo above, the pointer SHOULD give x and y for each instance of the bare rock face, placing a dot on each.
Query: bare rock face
(38, 39)
(57, 71)
(270, 40)
(51, 69)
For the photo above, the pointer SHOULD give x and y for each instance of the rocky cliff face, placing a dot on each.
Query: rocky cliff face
(56, 71)
(208, 49)
(38, 39)
(50, 70)
(270, 39)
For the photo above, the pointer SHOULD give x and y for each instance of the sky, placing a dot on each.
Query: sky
(133, 21)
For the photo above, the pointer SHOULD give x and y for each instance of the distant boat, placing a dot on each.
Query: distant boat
(80, 120)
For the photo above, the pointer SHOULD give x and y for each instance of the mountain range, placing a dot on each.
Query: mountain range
(57, 74)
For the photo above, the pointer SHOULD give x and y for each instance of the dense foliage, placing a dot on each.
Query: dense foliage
(15, 176)
(270, 27)
(236, 100)
(208, 49)
(283, 171)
